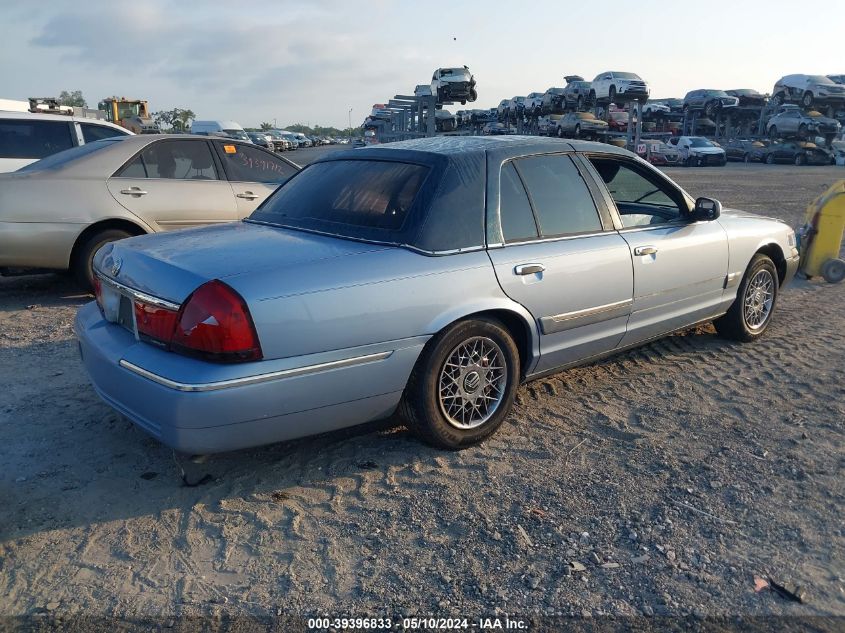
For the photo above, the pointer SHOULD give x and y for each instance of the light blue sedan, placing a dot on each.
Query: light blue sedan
(430, 277)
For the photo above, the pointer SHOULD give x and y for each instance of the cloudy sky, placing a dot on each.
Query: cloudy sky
(310, 61)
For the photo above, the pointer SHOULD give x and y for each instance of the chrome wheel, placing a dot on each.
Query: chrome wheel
(758, 301)
(472, 382)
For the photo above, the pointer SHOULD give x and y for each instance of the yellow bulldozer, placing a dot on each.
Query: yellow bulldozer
(133, 114)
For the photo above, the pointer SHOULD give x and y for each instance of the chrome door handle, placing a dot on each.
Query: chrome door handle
(248, 195)
(529, 269)
(133, 191)
(645, 250)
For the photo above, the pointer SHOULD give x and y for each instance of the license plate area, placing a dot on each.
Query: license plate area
(118, 308)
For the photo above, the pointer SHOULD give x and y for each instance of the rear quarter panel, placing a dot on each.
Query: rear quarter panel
(374, 297)
(747, 234)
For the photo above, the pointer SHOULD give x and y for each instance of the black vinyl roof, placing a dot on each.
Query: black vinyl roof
(449, 213)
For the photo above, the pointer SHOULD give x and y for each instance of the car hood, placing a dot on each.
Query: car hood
(738, 214)
(172, 265)
(706, 150)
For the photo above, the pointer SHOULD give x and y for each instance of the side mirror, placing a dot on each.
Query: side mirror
(706, 210)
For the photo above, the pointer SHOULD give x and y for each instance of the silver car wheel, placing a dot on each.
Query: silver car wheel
(472, 382)
(758, 300)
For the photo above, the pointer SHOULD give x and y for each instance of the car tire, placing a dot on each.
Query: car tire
(800, 160)
(807, 99)
(751, 312)
(833, 271)
(777, 99)
(82, 266)
(579, 104)
(709, 107)
(578, 131)
(559, 132)
(770, 158)
(773, 133)
(611, 94)
(449, 372)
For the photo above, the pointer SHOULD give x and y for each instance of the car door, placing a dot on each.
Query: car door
(559, 259)
(680, 266)
(253, 172)
(174, 184)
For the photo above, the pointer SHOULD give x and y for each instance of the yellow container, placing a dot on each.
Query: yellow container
(821, 235)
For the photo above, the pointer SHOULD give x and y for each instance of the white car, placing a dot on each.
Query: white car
(533, 102)
(453, 84)
(808, 90)
(26, 137)
(652, 108)
(698, 151)
(618, 87)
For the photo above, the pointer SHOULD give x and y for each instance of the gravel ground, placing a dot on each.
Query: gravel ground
(658, 482)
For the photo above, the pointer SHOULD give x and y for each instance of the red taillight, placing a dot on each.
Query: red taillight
(98, 291)
(155, 322)
(215, 322)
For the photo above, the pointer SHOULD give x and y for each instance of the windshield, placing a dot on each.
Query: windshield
(820, 79)
(625, 75)
(344, 196)
(555, 91)
(698, 141)
(63, 158)
(128, 110)
(239, 134)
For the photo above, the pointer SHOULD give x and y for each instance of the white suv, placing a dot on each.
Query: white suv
(453, 84)
(619, 87)
(532, 103)
(26, 137)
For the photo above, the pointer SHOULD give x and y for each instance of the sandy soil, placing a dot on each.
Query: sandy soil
(672, 475)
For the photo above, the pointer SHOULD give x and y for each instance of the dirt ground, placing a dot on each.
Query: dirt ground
(658, 482)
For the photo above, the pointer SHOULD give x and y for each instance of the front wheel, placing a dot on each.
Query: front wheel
(83, 260)
(770, 158)
(751, 312)
(463, 385)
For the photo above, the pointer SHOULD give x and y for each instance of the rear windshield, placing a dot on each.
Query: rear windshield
(63, 158)
(346, 197)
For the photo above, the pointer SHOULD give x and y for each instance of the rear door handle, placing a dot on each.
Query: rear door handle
(248, 195)
(133, 191)
(645, 250)
(529, 269)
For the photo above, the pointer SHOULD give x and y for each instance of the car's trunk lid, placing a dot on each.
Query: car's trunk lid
(172, 265)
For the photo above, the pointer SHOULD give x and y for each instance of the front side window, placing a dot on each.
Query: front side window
(345, 195)
(33, 139)
(641, 198)
(173, 160)
(92, 132)
(249, 164)
(559, 196)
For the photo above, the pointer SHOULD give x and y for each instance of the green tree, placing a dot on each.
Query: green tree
(74, 99)
(175, 120)
(266, 126)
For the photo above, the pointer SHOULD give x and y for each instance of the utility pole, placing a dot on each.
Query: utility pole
(350, 121)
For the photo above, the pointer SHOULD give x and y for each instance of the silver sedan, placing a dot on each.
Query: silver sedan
(56, 213)
(430, 277)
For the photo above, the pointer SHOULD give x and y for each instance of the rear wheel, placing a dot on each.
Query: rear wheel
(751, 312)
(462, 387)
(770, 158)
(83, 261)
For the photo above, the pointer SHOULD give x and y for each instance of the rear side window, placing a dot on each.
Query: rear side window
(33, 139)
(176, 160)
(517, 219)
(248, 164)
(93, 132)
(560, 198)
(347, 193)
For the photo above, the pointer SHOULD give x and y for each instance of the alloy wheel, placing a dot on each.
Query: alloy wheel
(472, 382)
(759, 299)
